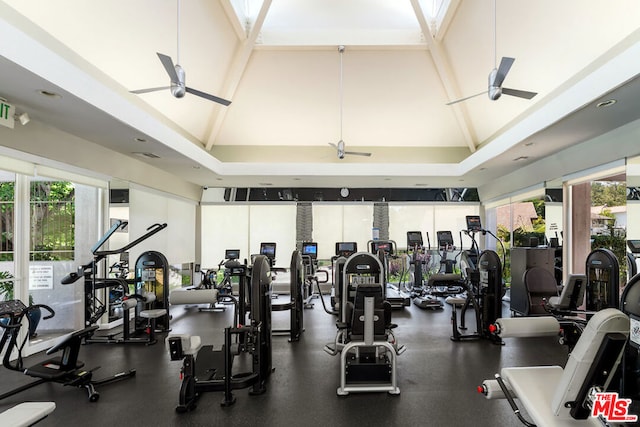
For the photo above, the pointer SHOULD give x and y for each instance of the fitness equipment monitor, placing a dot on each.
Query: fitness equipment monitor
(232, 254)
(634, 246)
(473, 223)
(268, 250)
(346, 249)
(382, 245)
(445, 239)
(310, 249)
(414, 238)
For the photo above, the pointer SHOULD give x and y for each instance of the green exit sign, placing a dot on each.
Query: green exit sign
(7, 112)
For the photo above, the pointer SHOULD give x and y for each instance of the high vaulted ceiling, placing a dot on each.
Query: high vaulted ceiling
(278, 62)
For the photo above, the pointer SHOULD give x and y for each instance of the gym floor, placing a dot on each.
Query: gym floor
(437, 378)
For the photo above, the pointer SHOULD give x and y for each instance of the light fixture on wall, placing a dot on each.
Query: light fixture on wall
(23, 118)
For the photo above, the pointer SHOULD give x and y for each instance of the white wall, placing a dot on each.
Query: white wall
(429, 218)
(177, 241)
(244, 227)
(341, 223)
(223, 227)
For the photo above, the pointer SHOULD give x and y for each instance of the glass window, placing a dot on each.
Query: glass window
(52, 209)
(7, 244)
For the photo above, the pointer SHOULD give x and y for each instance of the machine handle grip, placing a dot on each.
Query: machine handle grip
(41, 306)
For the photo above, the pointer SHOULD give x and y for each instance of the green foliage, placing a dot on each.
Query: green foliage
(6, 287)
(52, 220)
(608, 193)
(615, 239)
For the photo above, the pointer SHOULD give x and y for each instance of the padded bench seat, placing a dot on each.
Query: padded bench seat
(26, 414)
(535, 387)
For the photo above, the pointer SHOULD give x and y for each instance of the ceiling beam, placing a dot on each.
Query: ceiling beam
(234, 19)
(446, 20)
(238, 66)
(446, 77)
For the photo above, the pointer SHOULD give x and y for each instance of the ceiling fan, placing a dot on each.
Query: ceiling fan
(498, 74)
(177, 76)
(340, 145)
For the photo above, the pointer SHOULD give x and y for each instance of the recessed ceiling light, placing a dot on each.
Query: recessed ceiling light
(195, 167)
(49, 94)
(517, 159)
(219, 179)
(265, 183)
(421, 185)
(296, 179)
(149, 155)
(483, 169)
(529, 144)
(138, 139)
(607, 103)
(387, 179)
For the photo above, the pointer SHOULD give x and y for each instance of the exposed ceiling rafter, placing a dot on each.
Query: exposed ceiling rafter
(446, 20)
(238, 66)
(234, 20)
(443, 69)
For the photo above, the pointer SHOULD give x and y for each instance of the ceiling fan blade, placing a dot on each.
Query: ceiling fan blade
(153, 89)
(168, 65)
(357, 153)
(503, 69)
(519, 93)
(467, 97)
(208, 96)
(333, 145)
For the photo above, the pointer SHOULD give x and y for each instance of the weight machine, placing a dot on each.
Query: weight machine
(214, 368)
(65, 369)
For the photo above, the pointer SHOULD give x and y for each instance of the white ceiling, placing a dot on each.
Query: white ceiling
(280, 67)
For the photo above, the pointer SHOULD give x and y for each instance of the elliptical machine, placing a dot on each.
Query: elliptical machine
(421, 296)
(386, 251)
(483, 289)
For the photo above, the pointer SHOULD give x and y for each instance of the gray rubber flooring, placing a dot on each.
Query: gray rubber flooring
(437, 378)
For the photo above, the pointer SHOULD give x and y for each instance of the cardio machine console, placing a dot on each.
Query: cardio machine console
(346, 249)
(473, 223)
(634, 246)
(382, 245)
(414, 238)
(445, 239)
(310, 249)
